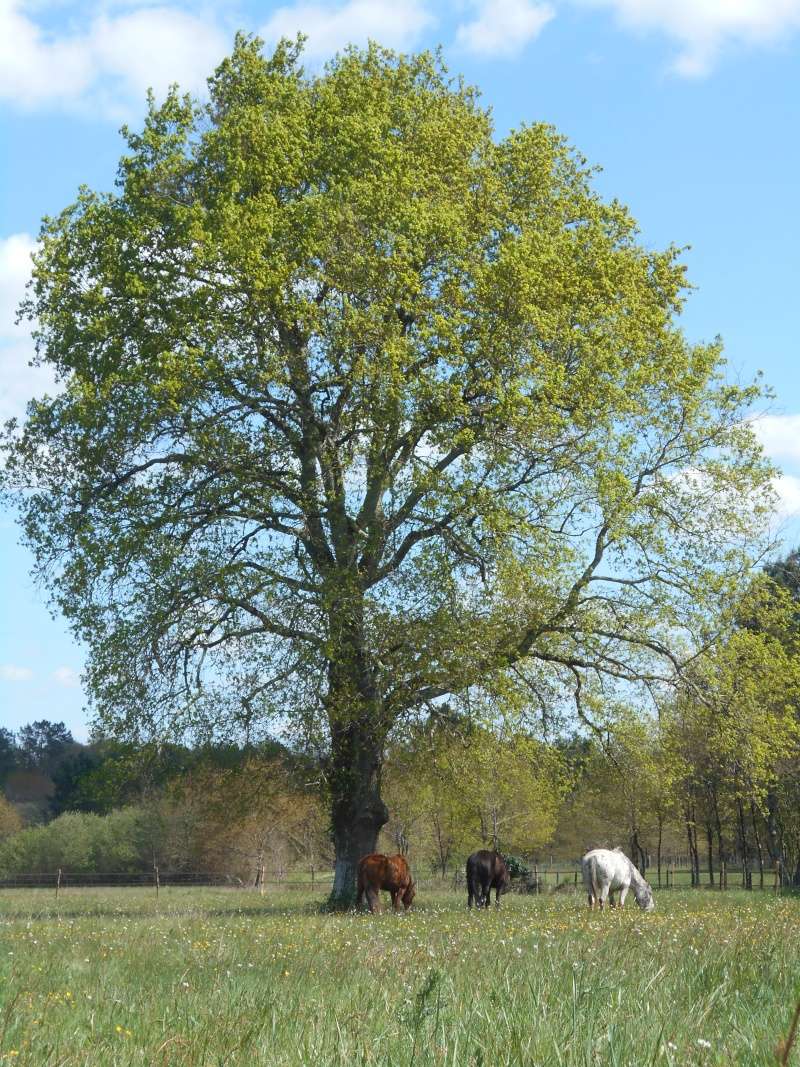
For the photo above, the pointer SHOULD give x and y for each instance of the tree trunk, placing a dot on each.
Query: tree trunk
(357, 810)
(710, 847)
(747, 878)
(774, 843)
(722, 855)
(358, 728)
(757, 839)
(691, 832)
(658, 850)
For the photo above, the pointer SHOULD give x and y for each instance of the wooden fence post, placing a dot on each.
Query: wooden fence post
(723, 876)
(58, 882)
(261, 880)
(777, 876)
(156, 879)
(536, 879)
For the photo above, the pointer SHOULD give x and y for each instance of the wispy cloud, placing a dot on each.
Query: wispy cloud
(9, 672)
(703, 29)
(67, 677)
(329, 27)
(503, 27)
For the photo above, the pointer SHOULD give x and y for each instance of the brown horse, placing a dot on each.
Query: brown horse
(376, 872)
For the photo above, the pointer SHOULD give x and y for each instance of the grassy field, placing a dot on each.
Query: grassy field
(211, 977)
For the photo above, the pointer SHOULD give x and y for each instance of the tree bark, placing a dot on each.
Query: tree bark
(658, 850)
(358, 728)
(774, 837)
(747, 878)
(710, 848)
(357, 810)
(757, 839)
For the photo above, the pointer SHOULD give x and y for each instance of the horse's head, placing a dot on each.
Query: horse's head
(644, 897)
(408, 895)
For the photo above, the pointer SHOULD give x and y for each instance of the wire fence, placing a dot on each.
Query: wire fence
(542, 879)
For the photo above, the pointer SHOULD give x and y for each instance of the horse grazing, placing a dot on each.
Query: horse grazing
(376, 872)
(486, 871)
(607, 870)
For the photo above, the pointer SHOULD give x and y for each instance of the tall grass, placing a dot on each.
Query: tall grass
(212, 977)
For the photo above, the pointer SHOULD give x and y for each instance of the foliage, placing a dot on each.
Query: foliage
(43, 744)
(9, 754)
(10, 821)
(234, 820)
(517, 867)
(450, 788)
(81, 843)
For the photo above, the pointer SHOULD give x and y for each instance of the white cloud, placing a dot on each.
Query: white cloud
(779, 436)
(10, 673)
(18, 380)
(109, 62)
(394, 23)
(15, 269)
(704, 28)
(503, 27)
(68, 677)
(787, 488)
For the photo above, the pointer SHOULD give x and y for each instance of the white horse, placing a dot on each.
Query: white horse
(607, 870)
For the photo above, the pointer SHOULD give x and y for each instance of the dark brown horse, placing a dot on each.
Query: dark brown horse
(377, 872)
(486, 871)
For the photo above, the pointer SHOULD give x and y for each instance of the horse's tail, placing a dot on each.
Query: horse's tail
(473, 882)
(590, 876)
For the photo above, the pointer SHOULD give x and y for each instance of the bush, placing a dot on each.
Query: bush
(517, 867)
(82, 844)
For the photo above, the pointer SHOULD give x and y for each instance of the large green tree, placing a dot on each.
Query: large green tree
(363, 407)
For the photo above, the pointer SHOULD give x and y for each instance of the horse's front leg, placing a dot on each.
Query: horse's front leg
(396, 895)
(373, 900)
(622, 894)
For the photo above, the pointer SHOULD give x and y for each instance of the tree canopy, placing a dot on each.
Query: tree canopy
(364, 407)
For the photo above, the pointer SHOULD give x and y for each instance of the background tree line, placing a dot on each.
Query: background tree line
(711, 773)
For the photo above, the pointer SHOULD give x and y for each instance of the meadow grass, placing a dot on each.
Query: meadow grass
(212, 977)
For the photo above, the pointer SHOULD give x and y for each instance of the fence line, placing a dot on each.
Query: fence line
(155, 879)
(543, 879)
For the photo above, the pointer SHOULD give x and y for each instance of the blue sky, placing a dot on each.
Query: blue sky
(690, 106)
